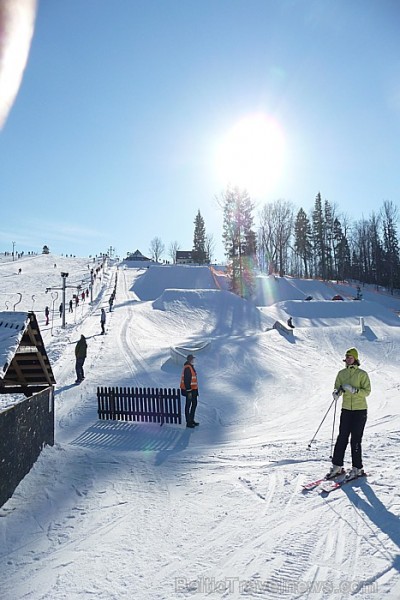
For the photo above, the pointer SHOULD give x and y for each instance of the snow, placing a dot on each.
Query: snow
(129, 510)
(12, 327)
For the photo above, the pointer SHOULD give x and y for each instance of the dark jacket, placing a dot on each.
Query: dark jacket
(81, 348)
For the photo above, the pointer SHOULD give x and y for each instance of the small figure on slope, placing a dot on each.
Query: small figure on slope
(103, 321)
(80, 355)
(190, 389)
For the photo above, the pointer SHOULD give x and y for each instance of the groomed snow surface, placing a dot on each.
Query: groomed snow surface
(137, 511)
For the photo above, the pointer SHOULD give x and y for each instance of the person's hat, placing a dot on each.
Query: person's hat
(352, 352)
(190, 357)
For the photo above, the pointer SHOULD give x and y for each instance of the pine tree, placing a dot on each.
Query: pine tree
(391, 244)
(319, 238)
(302, 242)
(328, 239)
(199, 252)
(341, 252)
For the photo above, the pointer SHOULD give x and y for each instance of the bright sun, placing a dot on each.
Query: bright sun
(251, 154)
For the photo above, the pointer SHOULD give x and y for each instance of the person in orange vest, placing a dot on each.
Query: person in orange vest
(190, 389)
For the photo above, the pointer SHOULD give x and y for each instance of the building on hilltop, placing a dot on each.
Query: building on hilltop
(137, 255)
(184, 257)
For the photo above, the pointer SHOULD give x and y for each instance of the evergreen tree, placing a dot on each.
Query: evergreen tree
(199, 252)
(390, 245)
(376, 249)
(302, 240)
(328, 239)
(319, 238)
(341, 252)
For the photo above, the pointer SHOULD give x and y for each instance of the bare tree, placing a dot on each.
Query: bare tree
(157, 248)
(210, 246)
(276, 228)
(172, 250)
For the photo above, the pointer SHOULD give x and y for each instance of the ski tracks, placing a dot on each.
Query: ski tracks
(128, 506)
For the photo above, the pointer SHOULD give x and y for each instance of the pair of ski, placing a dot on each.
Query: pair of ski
(329, 485)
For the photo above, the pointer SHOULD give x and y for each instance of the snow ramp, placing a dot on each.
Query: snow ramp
(156, 279)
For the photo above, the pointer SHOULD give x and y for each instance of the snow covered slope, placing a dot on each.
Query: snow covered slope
(120, 511)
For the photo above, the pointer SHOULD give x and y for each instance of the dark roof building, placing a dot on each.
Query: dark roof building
(137, 255)
(184, 257)
(24, 365)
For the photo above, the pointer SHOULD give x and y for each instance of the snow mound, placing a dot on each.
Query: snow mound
(333, 312)
(157, 279)
(225, 313)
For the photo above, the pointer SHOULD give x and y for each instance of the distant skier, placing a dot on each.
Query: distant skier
(60, 308)
(47, 314)
(80, 355)
(190, 389)
(355, 386)
(111, 302)
(103, 321)
(71, 305)
(290, 322)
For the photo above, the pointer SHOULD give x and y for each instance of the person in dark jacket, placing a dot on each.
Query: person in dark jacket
(103, 321)
(80, 355)
(190, 389)
(290, 322)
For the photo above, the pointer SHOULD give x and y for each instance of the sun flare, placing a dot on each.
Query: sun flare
(251, 154)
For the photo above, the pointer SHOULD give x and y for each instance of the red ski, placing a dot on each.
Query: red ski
(313, 484)
(329, 486)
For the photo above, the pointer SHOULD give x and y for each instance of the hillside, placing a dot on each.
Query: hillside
(120, 510)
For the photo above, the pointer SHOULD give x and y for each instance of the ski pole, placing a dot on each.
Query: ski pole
(333, 426)
(315, 434)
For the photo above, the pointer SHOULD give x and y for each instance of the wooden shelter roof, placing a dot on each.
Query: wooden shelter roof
(24, 365)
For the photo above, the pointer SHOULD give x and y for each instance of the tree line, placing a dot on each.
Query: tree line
(321, 244)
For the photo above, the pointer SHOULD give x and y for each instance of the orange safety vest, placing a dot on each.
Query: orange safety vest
(193, 384)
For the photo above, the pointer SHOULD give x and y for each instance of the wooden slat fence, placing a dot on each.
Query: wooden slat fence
(151, 405)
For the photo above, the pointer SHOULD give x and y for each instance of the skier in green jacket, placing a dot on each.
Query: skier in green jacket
(354, 385)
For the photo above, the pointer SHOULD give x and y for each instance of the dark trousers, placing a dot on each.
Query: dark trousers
(190, 408)
(103, 327)
(352, 423)
(79, 368)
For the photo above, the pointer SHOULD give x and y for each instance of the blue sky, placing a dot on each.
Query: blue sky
(113, 137)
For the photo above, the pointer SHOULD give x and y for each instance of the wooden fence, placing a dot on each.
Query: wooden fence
(151, 405)
(25, 428)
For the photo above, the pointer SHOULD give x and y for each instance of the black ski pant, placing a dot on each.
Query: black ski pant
(79, 369)
(190, 407)
(352, 423)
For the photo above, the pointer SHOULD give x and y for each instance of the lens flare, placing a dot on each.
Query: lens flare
(17, 19)
(251, 156)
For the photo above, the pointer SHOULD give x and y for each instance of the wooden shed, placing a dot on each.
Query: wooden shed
(24, 365)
